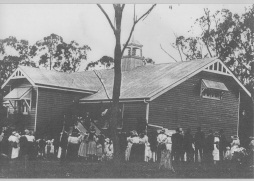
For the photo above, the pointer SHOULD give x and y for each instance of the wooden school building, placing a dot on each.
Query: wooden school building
(187, 94)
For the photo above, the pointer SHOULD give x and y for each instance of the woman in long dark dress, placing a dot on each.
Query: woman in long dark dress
(135, 147)
(141, 147)
(73, 146)
(153, 144)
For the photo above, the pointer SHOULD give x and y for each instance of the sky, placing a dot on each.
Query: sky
(87, 25)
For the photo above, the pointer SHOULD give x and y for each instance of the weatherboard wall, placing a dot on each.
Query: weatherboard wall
(132, 112)
(183, 107)
(52, 105)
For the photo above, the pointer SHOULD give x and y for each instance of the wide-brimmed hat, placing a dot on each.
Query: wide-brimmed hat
(235, 137)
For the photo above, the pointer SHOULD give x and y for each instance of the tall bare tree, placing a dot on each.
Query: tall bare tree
(118, 53)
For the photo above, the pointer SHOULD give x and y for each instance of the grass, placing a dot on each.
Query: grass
(83, 169)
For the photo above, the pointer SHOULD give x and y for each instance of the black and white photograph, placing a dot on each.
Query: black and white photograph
(126, 91)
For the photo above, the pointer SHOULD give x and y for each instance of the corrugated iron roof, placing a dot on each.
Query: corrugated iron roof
(145, 81)
(141, 82)
(61, 79)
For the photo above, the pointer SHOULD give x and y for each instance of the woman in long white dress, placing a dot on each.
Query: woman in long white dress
(128, 149)
(14, 140)
(109, 149)
(216, 152)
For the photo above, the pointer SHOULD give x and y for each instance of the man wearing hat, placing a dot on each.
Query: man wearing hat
(161, 138)
(222, 144)
(177, 145)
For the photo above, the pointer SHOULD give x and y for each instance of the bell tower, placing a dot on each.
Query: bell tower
(132, 56)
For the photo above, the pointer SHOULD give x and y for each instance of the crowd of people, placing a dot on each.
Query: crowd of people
(163, 146)
(69, 145)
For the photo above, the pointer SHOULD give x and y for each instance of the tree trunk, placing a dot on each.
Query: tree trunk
(116, 88)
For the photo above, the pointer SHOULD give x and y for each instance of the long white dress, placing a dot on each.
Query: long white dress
(216, 152)
(15, 151)
(128, 149)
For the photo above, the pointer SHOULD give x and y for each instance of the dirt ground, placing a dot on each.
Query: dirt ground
(83, 169)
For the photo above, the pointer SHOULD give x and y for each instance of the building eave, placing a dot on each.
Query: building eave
(64, 88)
(110, 100)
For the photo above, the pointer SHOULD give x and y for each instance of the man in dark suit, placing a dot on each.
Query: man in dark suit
(177, 145)
(222, 144)
(63, 144)
(209, 146)
(199, 144)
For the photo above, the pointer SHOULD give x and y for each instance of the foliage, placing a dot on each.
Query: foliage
(227, 36)
(54, 53)
(13, 52)
(105, 62)
(108, 63)
(148, 61)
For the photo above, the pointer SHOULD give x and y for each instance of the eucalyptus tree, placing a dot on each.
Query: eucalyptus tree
(118, 53)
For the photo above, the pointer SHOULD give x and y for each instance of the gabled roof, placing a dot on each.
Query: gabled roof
(58, 80)
(144, 82)
(148, 81)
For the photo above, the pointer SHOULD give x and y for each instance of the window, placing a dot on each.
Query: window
(212, 90)
(133, 52)
(211, 94)
(129, 52)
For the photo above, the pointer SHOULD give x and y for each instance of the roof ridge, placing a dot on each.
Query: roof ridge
(43, 69)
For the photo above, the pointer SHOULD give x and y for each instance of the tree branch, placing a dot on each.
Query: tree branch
(168, 53)
(102, 83)
(133, 27)
(106, 15)
(178, 48)
(123, 6)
